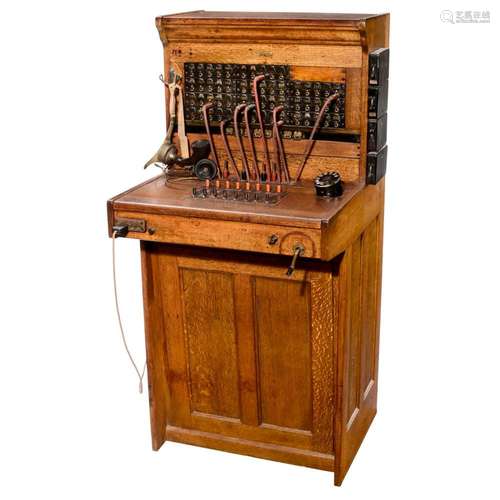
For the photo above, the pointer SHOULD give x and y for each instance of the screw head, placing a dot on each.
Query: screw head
(273, 239)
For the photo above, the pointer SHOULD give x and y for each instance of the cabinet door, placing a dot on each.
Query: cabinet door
(248, 351)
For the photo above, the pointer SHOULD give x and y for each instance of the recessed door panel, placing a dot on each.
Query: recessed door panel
(211, 342)
(284, 352)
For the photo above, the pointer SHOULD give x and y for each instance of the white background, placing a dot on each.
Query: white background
(81, 110)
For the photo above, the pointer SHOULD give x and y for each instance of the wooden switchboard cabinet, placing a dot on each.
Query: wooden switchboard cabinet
(241, 356)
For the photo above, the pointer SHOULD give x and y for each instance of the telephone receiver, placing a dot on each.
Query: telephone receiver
(168, 157)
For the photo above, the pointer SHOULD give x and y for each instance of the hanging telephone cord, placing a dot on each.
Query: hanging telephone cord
(139, 374)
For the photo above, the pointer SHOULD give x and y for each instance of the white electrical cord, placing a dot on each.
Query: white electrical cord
(139, 374)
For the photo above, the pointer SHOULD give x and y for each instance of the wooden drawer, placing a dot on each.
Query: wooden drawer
(264, 238)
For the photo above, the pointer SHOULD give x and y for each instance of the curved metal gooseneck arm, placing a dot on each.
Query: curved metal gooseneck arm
(310, 142)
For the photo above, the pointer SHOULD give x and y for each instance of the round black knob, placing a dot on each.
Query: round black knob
(329, 185)
(205, 169)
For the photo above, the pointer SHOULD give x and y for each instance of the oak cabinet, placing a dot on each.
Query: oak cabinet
(243, 358)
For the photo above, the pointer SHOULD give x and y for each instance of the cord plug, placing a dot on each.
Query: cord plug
(121, 230)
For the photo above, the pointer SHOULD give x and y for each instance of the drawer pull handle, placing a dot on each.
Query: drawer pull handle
(298, 250)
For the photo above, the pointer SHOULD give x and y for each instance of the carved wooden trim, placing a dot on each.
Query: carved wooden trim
(257, 31)
(322, 362)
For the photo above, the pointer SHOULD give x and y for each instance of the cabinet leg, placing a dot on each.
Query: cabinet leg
(155, 346)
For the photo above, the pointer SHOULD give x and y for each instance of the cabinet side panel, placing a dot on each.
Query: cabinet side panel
(353, 340)
(368, 345)
(284, 352)
(358, 347)
(211, 342)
